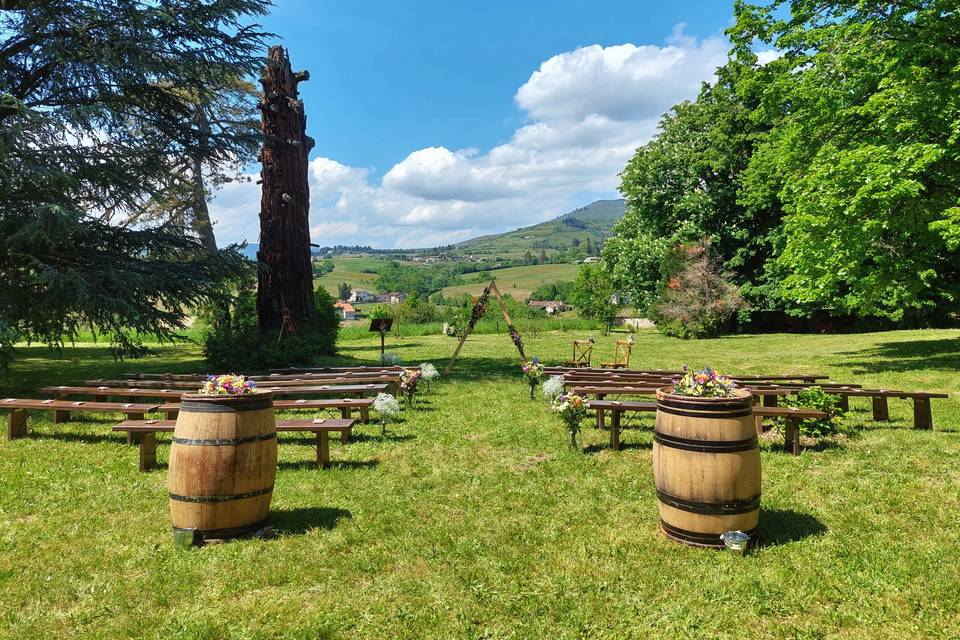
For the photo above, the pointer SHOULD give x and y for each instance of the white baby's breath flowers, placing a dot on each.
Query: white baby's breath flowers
(390, 359)
(552, 388)
(388, 408)
(429, 372)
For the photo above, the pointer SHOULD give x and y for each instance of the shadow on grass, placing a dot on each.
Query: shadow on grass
(85, 438)
(780, 526)
(334, 464)
(291, 522)
(624, 446)
(908, 355)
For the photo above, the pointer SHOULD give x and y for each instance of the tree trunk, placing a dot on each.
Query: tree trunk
(285, 287)
(201, 213)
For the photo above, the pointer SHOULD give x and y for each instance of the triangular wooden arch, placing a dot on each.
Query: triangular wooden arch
(479, 308)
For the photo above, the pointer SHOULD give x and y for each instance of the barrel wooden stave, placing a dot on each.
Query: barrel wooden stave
(702, 493)
(209, 479)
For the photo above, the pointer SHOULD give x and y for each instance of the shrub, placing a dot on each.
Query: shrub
(817, 398)
(234, 341)
(694, 299)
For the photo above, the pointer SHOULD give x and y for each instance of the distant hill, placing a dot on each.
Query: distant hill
(593, 222)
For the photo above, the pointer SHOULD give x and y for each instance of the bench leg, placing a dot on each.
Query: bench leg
(148, 451)
(881, 412)
(922, 415)
(345, 436)
(844, 403)
(758, 423)
(601, 422)
(61, 415)
(771, 401)
(615, 430)
(16, 424)
(131, 440)
(792, 436)
(345, 413)
(364, 415)
(171, 415)
(323, 449)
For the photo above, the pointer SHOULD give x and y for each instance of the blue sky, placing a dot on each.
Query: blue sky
(437, 121)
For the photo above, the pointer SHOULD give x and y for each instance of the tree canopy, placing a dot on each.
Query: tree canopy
(826, 178)
(97, 119)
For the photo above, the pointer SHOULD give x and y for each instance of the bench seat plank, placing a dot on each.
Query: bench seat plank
(144, 433)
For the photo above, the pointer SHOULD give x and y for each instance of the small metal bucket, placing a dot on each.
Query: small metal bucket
(736, 542)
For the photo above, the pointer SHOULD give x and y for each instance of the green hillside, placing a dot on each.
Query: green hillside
(593, 222)
(519, 282)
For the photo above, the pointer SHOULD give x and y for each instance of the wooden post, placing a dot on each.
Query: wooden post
(844, 402)
(792, 436)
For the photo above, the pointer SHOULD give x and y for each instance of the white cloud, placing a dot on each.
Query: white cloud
(587, 111)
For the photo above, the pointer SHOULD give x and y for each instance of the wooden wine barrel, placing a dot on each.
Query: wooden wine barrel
(223, 462)
(706, 467)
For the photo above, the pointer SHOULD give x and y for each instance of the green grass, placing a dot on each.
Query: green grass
(519, 282)
(474, 518)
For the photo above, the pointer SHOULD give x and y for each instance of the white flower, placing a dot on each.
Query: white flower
(390, 358)
(429, 372)
(387, 406)
(552, 387)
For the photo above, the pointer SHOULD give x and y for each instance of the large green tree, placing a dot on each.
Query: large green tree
(98, 115)
(683, 186)
(864, 150)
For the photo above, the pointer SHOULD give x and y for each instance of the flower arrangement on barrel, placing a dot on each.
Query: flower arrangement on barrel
(704, 383)
(571, 408)
(408, 383)
(387, 408)
(534, 373)
(227, 384)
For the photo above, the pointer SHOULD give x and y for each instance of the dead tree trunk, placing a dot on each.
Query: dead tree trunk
(285, 286)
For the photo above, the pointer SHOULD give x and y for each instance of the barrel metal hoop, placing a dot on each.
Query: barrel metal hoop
(706, 413)
(229, 532)
(727, 508)
(193, 406)
(706, 446)
(700, 539)
(236, 496)
(224, 442)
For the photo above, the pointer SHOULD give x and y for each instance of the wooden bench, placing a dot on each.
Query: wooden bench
(346, 406)
(668, 374)
(144, 433)
(17, 418)
(791, 415)
(381, 381)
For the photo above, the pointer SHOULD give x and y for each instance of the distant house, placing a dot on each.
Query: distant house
(549, 306)
(346, 310)
(591, 259)
(360, 295)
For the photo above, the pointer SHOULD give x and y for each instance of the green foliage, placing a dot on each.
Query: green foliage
(553, 291)
(99, 114)
(322, 267)
(420, 280)
(683, 185)
(694, 300)
(344, 290)
(235, 343)
(381, 312)
(817, 398)
(593, 293)
(827, 179)
(864, 105)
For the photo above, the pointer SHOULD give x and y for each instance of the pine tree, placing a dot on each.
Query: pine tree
(97, 116)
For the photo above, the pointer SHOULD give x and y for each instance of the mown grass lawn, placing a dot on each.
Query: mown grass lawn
(473, 518)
